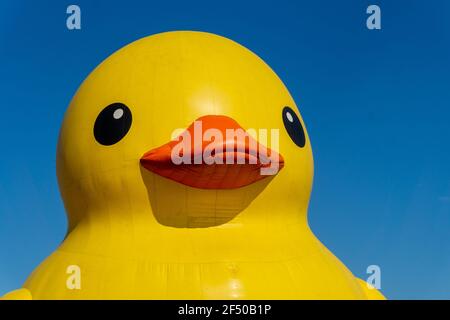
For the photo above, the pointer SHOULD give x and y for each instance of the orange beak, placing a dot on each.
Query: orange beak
(225, 163)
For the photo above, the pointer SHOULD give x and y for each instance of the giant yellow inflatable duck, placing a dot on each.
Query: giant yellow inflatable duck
(144, 227)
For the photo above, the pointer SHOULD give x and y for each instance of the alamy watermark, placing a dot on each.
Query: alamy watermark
(374, 280)
(235, 146)
(73, 21)
(373, 22)
(73, 281)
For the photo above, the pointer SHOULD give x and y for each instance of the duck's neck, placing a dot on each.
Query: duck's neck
(251, 235)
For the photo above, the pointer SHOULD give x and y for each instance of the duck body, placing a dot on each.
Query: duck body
(176, 265)
(141, 227)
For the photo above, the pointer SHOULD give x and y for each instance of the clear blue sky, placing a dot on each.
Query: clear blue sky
(376, 105)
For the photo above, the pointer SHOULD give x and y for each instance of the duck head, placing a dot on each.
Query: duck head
(145, 139)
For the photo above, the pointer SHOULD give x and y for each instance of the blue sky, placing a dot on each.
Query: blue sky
(376, 105)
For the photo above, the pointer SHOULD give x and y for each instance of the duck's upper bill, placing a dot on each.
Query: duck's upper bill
(214, 152)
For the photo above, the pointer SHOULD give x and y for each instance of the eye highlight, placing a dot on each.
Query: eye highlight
(112, 124)
(293, 127)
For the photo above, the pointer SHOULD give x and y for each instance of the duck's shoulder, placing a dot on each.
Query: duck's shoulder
(371, 292)
(19, 294)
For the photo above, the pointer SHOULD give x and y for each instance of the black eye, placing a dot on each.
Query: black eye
(112, 124)
(293, 127)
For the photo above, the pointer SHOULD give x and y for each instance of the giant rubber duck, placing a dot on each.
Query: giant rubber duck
(141, 226)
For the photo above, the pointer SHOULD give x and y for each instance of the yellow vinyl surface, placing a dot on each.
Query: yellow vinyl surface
(136, 235)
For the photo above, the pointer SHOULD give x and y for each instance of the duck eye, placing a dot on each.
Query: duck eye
(112, 124)
(293, 127)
